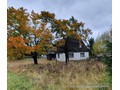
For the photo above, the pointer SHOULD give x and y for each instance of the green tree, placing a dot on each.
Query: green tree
(90, 46)
(103, 45)
(100, 43)
(108, 59)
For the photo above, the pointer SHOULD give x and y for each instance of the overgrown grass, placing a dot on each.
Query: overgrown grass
(52, 75)
(19, 82)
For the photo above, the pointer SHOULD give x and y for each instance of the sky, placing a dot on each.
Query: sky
(96, 14)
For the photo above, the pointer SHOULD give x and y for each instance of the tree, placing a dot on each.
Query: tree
(40, 36)
(66, 29)
(63, 29)
(90, 46)
(108, 56)
(100, 43)
(16, 47)
(103, 45)
(18, 22)
(38, 30)
(35, 37)
(17, 34)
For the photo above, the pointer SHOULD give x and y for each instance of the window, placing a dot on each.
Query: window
(58, 55)
(80, 46)
(71, 55)
(82, 54)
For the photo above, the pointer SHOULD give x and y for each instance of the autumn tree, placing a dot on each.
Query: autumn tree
(18, 31)
(63, 29)
(37, 30)
(16, 47)
(29, 30)
(40, 36)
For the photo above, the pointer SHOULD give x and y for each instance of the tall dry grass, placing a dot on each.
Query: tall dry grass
(52, 75)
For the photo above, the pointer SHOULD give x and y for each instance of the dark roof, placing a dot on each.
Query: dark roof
(74, 46)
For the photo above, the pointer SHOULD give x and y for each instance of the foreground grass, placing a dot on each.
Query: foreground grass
(18, 82)
(52, 75)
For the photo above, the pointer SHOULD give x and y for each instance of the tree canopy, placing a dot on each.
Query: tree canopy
(100, 43)
(35, 32)
(27, 31)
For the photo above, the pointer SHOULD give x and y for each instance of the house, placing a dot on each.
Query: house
(76, 51)
(51, 56)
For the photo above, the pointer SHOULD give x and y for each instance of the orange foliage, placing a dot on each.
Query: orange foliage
(21, 26)
(31, 32)
(16, 47)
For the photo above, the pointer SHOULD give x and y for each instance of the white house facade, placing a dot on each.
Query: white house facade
(73, 56)
(77, 50)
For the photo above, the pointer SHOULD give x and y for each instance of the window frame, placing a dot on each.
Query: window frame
(82, 54)
(71, 55)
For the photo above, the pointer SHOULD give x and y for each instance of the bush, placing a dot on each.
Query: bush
(108, 60)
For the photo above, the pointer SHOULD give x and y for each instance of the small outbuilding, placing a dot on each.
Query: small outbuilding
(51, 56)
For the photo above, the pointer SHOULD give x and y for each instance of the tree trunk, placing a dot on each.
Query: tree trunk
(66, 50)
(66, 58)
(34, 56)
(35, 59)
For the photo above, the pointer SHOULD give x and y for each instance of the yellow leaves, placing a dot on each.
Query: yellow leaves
(17, 19)
(81, 24)
(65, 21)
(16, 42)
(26, 40)
(71, 27)
(36, 47)
(16, 47)
(42, 32)
(22, 26)
(35, 17)
(43, 26)
(56, 21)
(54, 49)
(35, 29)
(45, 37)
(61, 43)
(63, 27)
(28, 49)
(47, 14)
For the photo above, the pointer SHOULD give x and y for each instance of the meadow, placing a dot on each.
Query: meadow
(55, 75)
